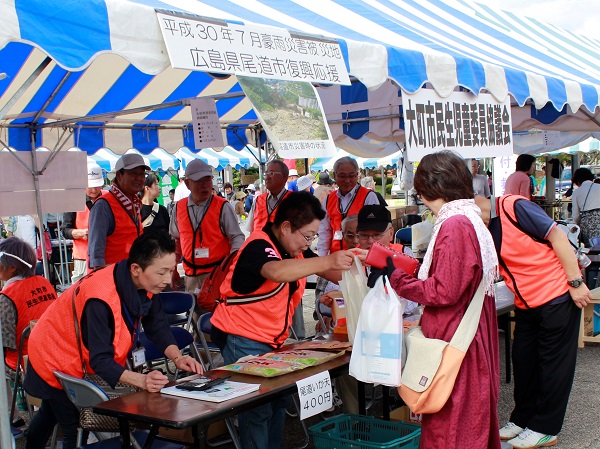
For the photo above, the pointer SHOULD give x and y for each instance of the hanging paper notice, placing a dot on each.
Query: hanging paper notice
(504, 166)
(315, 394)
(207, 131)
(474, 126)
(213, 45)
(292, 115)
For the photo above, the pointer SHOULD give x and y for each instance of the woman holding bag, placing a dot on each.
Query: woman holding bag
(586, 205)
(460, 255)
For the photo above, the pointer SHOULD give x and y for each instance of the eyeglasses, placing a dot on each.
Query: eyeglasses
(308, 238)
(2, 253)
(417, 197)
(272, 173)
(344, 176)
(137, 174)
(350, 235)
(377, 236)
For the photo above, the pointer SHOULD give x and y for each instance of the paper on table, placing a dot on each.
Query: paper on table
(220, 393)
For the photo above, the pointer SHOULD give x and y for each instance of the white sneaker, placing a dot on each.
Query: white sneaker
(509, 431)
(528, 439)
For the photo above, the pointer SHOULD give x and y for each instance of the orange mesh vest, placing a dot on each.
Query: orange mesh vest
(336, 217)
(523, 259)
(126, 231)
(31, 297)
(53, 342)
(264, 315)
(208, 235)
(80, 246)
(261, 211)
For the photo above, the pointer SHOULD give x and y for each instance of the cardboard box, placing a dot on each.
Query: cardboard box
(396, 211)
(403, 414)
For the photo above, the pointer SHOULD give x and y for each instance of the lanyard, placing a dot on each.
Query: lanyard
(345, 211)
(201, 218)
(136, 327)
(269, 210)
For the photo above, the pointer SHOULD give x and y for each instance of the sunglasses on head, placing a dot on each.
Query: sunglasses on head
(2, 253)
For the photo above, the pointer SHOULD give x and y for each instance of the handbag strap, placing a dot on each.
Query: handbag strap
(470, 322)
(77, 333)
(586, 197)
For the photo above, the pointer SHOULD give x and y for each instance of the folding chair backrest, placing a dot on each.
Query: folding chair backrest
(81, 392)
(404, 236)
(204, 329)
(183, 339)
(178, 306)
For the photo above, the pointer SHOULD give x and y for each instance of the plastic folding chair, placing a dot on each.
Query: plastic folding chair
(208, 347)
(321, 310)
(179, 307)
(184, 340)
(403, 236)
(85, 394)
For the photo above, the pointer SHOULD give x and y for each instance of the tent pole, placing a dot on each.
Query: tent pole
(5, 434)
(38, 202)
(383, 182)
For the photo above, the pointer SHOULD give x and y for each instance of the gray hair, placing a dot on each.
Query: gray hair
(345, 160)
(349, 219)
(366, 181)
(21, 249)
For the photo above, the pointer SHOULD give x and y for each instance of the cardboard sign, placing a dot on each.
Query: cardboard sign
(315, 394)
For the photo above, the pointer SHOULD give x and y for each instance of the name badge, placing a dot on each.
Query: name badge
(201, 253)
(139, 356)
(337, 235)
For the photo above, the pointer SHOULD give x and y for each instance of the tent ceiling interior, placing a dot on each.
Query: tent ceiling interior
(68, 66)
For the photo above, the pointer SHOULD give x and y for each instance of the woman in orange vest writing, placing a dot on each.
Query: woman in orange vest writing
(23, 298)
(94, 326)
(264, 285)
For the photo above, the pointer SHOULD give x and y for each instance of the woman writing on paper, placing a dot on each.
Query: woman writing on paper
(96, 323)
(461, 253)
(264, 286)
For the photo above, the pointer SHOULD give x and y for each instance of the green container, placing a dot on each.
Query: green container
(364, 432)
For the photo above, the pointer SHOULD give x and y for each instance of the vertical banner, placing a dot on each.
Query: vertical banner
(473, 126)
(292, 115)
(504, 166)
(205, 120)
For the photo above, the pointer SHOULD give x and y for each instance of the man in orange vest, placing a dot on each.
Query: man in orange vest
(75, 224)
(206, 225)
(347, 200)
(265, 205)
(540, 268)
(115, 220)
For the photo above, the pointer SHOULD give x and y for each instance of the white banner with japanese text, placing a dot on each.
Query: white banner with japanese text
(292, 116)
(473, 126)
(213, 45)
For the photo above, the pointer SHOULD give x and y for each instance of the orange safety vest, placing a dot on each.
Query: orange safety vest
(80, 246)
(336, 217)
(119, 242)
(530, 268)
(264, 315)
(31, 297)
(261, 211)
(53, 341)
(208, 235)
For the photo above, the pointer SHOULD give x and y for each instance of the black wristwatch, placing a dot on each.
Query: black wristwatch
(575, 283)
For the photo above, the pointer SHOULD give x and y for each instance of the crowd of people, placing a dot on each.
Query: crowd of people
(126, 248)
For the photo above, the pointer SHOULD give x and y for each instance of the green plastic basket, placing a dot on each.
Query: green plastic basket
(364, 432)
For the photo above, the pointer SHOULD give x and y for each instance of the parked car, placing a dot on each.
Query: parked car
(564, 183)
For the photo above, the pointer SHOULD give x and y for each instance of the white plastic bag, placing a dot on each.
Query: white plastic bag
(421, 235)
(377, 349)
(354, 289)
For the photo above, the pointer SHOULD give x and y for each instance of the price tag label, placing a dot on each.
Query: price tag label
(315, 394)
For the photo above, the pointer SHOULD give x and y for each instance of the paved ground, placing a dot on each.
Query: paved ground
(582, 425)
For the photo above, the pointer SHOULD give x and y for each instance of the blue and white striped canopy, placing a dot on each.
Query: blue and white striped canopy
(109, 55)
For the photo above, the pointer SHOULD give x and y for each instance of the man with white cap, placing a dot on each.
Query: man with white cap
(75, 224)
(205, 224)
(250, 190)
(115, 220)
(292, 178)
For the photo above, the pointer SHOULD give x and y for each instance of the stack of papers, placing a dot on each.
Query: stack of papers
(222, 392)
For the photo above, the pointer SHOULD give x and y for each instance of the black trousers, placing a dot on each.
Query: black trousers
(544, 357)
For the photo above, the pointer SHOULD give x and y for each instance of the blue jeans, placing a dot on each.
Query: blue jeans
(261, 427)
